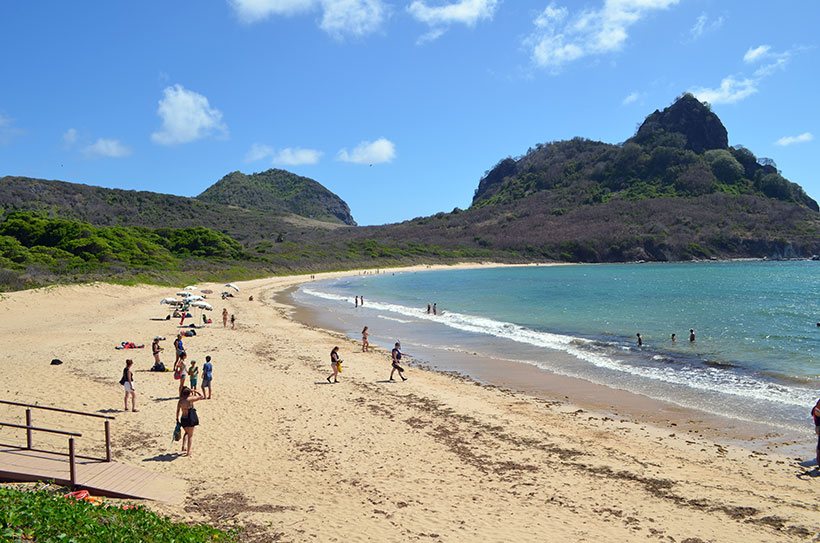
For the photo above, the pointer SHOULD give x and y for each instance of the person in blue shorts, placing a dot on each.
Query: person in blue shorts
(207, 376)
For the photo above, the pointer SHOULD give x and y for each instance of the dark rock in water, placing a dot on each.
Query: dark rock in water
(56, 361)
(691, 118)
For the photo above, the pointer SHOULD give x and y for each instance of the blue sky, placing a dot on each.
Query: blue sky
(398, 106)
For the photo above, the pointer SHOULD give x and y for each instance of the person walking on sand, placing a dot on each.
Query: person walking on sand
(187, 417)
(395, 356)
(691, 335)
(207, 376)
(180, 371)
(224, 317)
(193, 374)
(365, 342)
(640, 340)
(815, 413)
(127, 382)
(233, 321)
(334, 365)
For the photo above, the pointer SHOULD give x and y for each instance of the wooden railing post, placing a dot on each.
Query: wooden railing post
(72, 468)
(28, 429)
(107, 441)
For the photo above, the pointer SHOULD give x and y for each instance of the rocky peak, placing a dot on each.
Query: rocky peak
(689, 117)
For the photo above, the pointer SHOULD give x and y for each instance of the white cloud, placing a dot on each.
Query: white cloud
(703, 25)
(631, 98)
(731, 90)
(756, 53)
(258, 151)
(339, 17)
(7, 130)
(251, 11)
(70, 137)
(791, 140)
(296, 156)
(354, 17)
(107, 148)
(369, 152)
(559, 38)
(466, 12)
(735, 88)
(186, 116)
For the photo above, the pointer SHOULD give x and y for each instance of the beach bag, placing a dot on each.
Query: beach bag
(339, 366)
(177, 432)
(177, 375)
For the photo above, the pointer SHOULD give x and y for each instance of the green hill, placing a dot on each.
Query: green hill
(279, 191)
(676, 190)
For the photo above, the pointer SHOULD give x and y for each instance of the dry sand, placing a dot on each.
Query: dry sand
(437, 458)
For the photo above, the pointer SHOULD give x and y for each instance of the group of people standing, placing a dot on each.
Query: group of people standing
(674, 337)
(188, 376)
(395, 358)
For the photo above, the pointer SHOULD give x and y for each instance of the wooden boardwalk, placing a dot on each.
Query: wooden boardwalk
(100, 478)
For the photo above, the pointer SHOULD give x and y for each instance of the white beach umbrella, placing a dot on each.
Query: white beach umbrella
(231, 285)
(202, 305)
(194, 298)
(169, 301)
(183, 293)
(190, 287)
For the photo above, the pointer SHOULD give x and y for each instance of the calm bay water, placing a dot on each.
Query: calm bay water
(756, 355)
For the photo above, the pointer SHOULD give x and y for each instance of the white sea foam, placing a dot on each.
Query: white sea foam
(385, 317)
(601, 355)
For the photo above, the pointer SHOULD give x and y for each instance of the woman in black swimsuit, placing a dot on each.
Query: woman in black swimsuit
(187, 417)
(334, 365)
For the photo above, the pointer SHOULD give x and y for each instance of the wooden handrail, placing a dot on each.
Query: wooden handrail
(58, 409)
(29, 427)
(37, 429)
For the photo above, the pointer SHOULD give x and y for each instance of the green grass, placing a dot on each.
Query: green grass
(46, 516)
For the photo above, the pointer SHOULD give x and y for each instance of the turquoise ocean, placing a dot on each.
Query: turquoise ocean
(756, 356)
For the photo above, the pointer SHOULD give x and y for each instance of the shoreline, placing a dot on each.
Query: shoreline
(599, 400)
(286, 456)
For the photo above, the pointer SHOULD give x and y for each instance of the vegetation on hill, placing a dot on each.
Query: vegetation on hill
(43, 515)
(115, 207)
(681, 151)
(277, 191)
(674, 191)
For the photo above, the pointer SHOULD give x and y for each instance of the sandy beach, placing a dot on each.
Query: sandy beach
(289, 457)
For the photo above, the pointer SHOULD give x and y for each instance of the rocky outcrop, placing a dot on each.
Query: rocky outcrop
(689, 117)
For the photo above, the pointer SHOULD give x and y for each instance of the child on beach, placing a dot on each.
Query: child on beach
(193, 374)
(365, 342)
(207, 376)
(187, 416)
(395, 356)
(233, 321)
(127, 381)
(334, 364)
